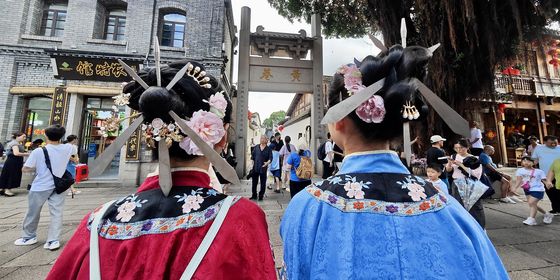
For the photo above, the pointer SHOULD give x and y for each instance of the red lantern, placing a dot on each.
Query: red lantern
(511, 71)
(501, 107)
(249, 115)
(280, 128)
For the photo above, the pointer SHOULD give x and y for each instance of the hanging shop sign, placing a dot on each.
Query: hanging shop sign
(133, 143)
(58, 109)
(96, 69)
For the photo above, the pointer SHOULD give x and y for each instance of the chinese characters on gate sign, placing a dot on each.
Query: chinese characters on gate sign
(266, 74)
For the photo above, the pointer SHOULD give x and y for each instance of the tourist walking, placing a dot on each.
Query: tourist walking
(274, 167)
(533, 144)
(300, 161)
(184, 231)
(10, 178)
(43, 188)
(328, 159)
(532, 181)
(260, 158)
(544, 156)
(476, 139)
(374, 219)
(74, 161)
(285, 152)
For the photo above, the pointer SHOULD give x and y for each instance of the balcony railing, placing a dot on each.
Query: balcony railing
(523, 85)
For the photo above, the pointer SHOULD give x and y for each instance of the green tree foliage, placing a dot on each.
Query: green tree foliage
(475, 35)
(274, 119)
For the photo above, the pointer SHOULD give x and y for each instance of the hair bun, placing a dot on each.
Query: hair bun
(156, 102)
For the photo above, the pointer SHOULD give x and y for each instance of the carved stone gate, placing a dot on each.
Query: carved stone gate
(278, 62)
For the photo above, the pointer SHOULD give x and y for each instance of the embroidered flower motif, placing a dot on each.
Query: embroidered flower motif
(443, 198)
(354, 190)
(424, 206)
(333, 199)
(192, 202)
(180, 221)
(126, 211)
(317, 193)
(121, 99)
(209, 213)
(372, 110)
(212, 192)
(416, 192)
(112, 230)
(208, 126)
(157, 124)
(334, 180)
(147, 226)
(164, 228)
(391, 208)
(358, 205)
(218, 104)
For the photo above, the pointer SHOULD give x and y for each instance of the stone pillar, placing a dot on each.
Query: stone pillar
(317, 104)
(74, 115)
(241, 124)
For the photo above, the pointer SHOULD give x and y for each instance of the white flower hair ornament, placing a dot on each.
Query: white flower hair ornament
(196, 135)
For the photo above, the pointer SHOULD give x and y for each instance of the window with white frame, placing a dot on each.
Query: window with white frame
(173, 30)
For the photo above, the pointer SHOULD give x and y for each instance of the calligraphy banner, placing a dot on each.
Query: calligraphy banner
(133, 143)
(280, 79)
(97, 69)
(58, 108)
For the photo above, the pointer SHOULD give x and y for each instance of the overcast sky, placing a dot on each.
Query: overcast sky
(336, 52)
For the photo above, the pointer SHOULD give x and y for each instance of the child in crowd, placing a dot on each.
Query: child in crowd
(434, 171)
(531, 180)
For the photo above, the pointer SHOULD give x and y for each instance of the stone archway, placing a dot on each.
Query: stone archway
(278, 62)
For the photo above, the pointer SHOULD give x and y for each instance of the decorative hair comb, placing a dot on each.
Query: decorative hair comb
(170, 132)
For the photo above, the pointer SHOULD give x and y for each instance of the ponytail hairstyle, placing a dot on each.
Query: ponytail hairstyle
(287, 140)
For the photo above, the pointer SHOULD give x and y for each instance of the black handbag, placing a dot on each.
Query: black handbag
(61, 184)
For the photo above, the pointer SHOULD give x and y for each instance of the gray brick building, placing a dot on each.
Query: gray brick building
(38, 35)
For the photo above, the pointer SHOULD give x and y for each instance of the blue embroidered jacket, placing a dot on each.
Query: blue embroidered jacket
(374, 220)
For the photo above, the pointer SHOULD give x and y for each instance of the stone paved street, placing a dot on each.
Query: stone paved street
(527, 252)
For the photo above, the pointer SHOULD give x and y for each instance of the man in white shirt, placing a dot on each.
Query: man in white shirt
(328, 163)
(43, 189)
(545, 155)
(476, 139)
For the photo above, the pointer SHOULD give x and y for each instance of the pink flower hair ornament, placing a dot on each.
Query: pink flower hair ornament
(373, 109)
(208, 126)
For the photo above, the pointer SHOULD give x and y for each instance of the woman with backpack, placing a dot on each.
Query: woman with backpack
(301, 168)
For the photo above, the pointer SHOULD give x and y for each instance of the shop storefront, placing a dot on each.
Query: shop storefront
(36, 117)
(93, 139)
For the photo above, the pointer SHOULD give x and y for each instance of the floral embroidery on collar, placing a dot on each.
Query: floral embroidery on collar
(192, 202)
(126, 209)
(415, 190)
(123, 231)
(353, 187)
(431, 204)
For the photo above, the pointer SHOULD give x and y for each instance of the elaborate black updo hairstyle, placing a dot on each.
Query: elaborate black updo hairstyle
(397, 65)
(185, 98)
